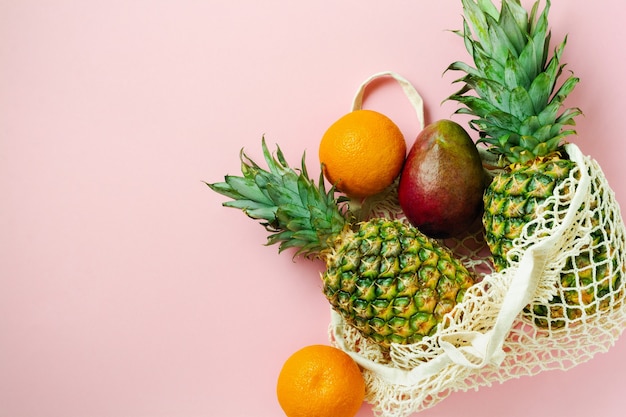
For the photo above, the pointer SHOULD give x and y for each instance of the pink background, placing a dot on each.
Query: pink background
(125, 288)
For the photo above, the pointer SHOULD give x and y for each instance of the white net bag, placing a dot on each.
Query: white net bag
(516, 322)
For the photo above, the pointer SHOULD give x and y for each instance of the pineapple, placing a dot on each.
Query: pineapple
(515, 98)
(383, 276)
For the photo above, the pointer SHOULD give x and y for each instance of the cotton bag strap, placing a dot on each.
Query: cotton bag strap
(409, 90)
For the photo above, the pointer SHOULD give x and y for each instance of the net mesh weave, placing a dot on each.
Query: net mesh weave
(492, 336)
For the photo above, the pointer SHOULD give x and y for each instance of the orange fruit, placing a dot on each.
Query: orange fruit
(362, 153)
(320, 381)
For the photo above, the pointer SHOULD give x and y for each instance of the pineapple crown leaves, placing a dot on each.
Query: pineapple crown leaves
(296, 211)
(517, 97)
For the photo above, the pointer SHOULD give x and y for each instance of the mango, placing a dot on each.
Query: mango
(442, 182)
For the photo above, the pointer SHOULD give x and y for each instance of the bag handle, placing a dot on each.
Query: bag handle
(409, 90)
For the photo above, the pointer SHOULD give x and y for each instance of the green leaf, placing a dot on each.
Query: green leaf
(567, 117)
(306, 235)
(539, 24)
(462, 66)
(554, 68)
(520, 104)
(499, 43)
(491, 91)
(224, 189)
(261, 213)
(528, 142)
(529, 60)
(529, 125)
(540, 91)
(504, 120)
(547, 132)
(467, 38)
(566, 88)
(514, 22)
(246, 204)
(477, 21)
(515, 74)
(293, 211)
(488, 7)
(247, 188)
(552, 144)
(548, 114)
(491, 69)
(281, 195)
(476, 105)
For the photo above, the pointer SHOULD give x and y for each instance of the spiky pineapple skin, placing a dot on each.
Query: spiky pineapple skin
(391, 282)
(516, 198)
(591, 282)
(512, 200)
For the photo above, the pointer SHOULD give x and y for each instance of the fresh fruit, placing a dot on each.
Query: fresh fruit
(515, 95)
(442, 182)
(383, 276)
(362, 153)
(320, 381)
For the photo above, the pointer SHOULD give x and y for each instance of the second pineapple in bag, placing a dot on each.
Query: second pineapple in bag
(518, 111)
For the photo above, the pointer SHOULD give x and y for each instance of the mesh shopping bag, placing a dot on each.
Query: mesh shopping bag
(558, 303)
